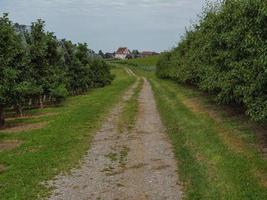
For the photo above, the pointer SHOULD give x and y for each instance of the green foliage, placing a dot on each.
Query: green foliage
(59, 146)
(59, 93)
(12, 60)
(217, 158)
(225, 55)
(100, 73)
(35, 65)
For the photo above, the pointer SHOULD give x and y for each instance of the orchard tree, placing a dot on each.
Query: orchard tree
(35, 65)
(11, 64)
(76, 61)
(38, 61)
(85, 79)
(100, 73)
(55, 86)
(70, 65)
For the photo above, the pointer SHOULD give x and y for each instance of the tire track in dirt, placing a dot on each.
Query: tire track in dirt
(151, 167)
(130, 72)
(132, 165)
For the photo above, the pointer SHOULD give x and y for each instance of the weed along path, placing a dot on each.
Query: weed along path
(130, 162)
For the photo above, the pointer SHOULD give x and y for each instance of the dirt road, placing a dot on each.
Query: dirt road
(133, 165)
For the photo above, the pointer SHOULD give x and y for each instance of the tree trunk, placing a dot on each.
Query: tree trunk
(41, 101)
(44, 98)
(30, 102)
(2, 117)
(19, 110)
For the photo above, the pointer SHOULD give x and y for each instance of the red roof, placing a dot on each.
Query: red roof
(122, 50)
(149, 53)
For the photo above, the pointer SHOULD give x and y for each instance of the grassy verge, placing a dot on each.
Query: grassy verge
(213, 162)
(217, 158)
(128, 117)
(59, 145)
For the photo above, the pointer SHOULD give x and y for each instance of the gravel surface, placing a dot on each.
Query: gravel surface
(132, 165)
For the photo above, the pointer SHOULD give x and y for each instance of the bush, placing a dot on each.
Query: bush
(59, 93)
(225, 54)
(100, 74)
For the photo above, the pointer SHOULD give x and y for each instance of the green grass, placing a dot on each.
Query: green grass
(209, 167)
(216, 159)
(58, 146)
(128, 117)
(147, 61)
(146, 64)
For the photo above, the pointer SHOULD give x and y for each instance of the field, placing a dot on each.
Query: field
(218, 150)
(189, 123)
(31, 157)
(147, 64)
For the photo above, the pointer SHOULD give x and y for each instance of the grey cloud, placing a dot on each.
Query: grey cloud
(107, 24)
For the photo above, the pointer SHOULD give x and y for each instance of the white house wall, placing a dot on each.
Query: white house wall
(120, 56)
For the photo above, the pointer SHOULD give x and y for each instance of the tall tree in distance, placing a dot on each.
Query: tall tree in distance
(135, 53)
(101, 54)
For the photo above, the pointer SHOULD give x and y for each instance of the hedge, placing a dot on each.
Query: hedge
(225, 54)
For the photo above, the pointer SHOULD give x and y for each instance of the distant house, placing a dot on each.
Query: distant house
(148, 53)
(122, 53)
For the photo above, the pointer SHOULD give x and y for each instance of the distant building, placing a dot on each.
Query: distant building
(122, 53)
(149, 53)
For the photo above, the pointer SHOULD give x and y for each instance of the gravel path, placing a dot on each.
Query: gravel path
(125, 166)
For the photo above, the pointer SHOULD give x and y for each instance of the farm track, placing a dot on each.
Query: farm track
(133, 165)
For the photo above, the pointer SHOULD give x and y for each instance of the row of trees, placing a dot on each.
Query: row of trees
(226, 55)
(37, 68)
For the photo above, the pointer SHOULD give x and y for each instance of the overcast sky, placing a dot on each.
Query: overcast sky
(107, 24)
